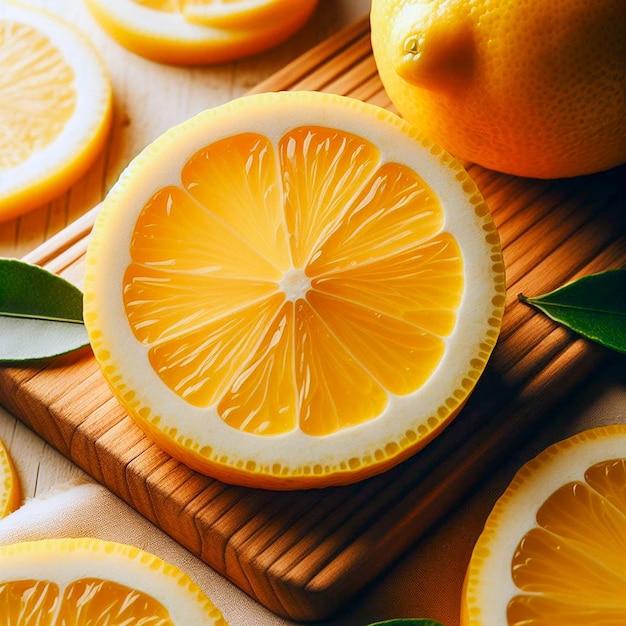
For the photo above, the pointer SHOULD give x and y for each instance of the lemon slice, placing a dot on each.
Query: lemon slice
(55, 98)
(553, 550)
(200, 32)
(293, 290)
(90, 581)
(10, 493)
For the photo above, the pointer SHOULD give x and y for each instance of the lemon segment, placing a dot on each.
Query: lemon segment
(300, 290)
(322, 168)
(33, 130)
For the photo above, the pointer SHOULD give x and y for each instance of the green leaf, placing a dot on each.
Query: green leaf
(593, 306)
(408, 622)
(41, 314)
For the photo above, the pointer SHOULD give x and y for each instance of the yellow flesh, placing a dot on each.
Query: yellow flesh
(258, 292)
(571, 569)
(84, 601)
(37, 94)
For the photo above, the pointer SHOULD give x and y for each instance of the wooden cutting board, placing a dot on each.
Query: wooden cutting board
(305, 554)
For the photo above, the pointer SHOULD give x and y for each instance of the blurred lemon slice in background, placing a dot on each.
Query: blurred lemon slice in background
(56, 101)
(553, 550)
(199, 32)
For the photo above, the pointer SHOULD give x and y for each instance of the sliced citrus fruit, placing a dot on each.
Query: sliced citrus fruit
(553, 550)
(55, 97)
(10, 493)
(90, 581)
(198, 32)
(293, 290)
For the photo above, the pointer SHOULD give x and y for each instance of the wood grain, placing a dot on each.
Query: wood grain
(304, 554)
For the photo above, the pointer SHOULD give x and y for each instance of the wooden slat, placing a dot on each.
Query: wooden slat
(313, 70)
(304, 554)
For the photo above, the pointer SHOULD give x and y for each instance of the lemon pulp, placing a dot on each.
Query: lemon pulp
(301, 298)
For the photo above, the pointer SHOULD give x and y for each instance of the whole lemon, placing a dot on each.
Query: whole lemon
(528, 87)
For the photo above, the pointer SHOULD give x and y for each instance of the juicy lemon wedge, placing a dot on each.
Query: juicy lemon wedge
(293, 290)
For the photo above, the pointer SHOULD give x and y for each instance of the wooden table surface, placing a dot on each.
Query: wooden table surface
(139, 117)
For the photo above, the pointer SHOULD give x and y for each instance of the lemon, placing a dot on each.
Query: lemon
(198, 32)
(528, 88)
(293, 290)
(56, 103)
(553, 550)
(90, 581)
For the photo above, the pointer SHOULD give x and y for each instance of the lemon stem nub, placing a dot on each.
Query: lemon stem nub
(440, 58)
(412, 45)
